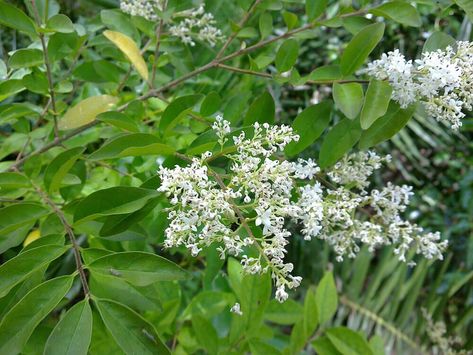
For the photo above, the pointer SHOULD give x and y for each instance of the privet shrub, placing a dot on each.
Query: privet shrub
(151, 183)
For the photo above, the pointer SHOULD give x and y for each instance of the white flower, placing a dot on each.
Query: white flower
(144, 8)
(236, 309)
(441, 80)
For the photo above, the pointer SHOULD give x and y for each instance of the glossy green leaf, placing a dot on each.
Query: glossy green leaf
(138, 268)
(111, 287)
(112, 201)
(315, 8)
(72, 333)
(360, 47)
(286, 55)
(26, 57)
(323, 346)
(348, 342)
(119, 119)
(206, 334)
(309, 125)
(326, 298)
(10, 87)
(290, 19)
(132, 333)
(348, 98)
(23, 265)
(387, 126)
(326, 73)
(261, 110)
(399, 11)
(133, 144)
(258, 347)
(265, 24)
(13, 181)
(13, 216)
(376, 102)
(176, 108)
(86, 111)
(286, 313)
(211, 104)
(438, 40)
(339, 140)
(60, 23)
(59, 167)
(18, 324)
(13, 17)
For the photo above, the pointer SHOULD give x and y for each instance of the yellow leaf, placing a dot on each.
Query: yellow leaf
(130, 49)
(86, 111)
(34, 234)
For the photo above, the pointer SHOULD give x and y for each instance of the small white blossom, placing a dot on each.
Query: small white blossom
(441, 80)
(236, 309)
(143, 8)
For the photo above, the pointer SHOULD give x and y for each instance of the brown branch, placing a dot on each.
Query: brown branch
(70, 233)
(159, 31)
(242, 23)
(48, 68)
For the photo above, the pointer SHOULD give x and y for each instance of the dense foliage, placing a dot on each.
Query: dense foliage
(215, 177)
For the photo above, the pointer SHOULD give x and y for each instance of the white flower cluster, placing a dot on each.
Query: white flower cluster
(143, 8)
(441, 80)
(196, 23)
(437, 332)
(259, 192)
(332, 212)
(187, 25)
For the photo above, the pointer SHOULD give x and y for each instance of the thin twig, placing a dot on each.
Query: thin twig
(70, 233)
(48, 68)
(242, 23)
(159, 31)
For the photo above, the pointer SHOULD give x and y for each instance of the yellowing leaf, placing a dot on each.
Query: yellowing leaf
(86, 111)
(130, 49)
(34, 234)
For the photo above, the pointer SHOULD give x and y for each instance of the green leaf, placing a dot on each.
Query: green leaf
(132, 333)
(111, 287)
(286, 313)
(18, 324)
(399, 11)
(25, 58)
(119, 119)
(13, 216)
(176, 108)
(326, 73)
(10, 87)
(305, 328)
(376, 102)
(265, 24)
(348, 342)
(261, 110)
(339, 140)
(13, 181)
(377, 345)
(315, 8)
(112, 201)
(348, 98)
(323, 346)
(85, 111)
(133, 144)
(13, 17)
(59, 167)
(138, 268)
(438, 40)
(23, 265)
(309, 125)
(467, 6)
(73, 332)
(286, 55)
(326, 298)
(60, 23)
(258, 347)
(360, 47)
(211, 104)
(387, 126)
(206, 334)
(290, 19)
